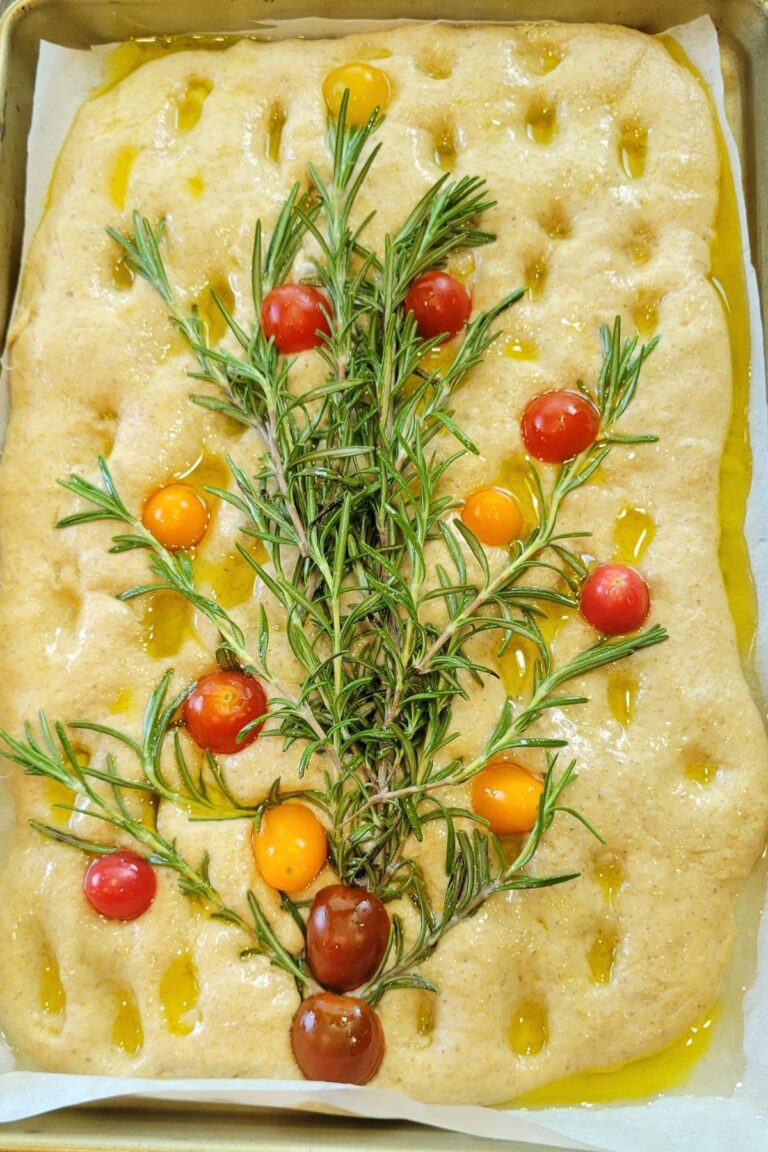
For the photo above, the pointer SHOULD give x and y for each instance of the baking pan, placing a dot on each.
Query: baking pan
(743, 29)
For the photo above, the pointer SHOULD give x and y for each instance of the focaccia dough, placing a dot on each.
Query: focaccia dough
(98, 370)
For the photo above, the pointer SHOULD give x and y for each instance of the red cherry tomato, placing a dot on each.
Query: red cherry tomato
(615, 599)
(120, 885)
(440, 303)
(295, 316)
(337, 1038)
(559, 425)
(347, 934)
(219, 706)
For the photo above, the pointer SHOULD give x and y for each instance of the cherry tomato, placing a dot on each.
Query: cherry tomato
(559, 425)
(337, 1038)
(440, 303)
(615, 599)
(347, 934)
(507, 795)
(493, 515)
(369, 89)
(176, 516)
(290, 847)
(295, 316)
(219, 706)
(120, 885)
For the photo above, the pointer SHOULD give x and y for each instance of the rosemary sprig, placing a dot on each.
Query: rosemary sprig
(52, 755)
(347, 498)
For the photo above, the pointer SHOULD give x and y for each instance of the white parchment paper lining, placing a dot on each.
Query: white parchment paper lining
(702, 1119)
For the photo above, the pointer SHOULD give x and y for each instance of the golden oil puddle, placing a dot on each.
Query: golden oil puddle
(167, 620)
(189, 107)
(123, 276)
(127, 1029)
(436, 64)
(633, 149)
(122, 702)
(131, 54)
(462, 265)
(514, 348)
(633, 533)
(645, 314)
(426, 1016)
(636, 1081)
(529, 1030)
(536, 274)
(444, 153)
(52, 996)
(121, 175)
(275, 125)
(195, 186)
(609, 874)
(55, 795)
(622, 696)
(515, 476)
(541, 123)
(642, 246)
(549, 57)
(179, 994)
(440, 358)
(517, 665)
(230, 577)
(555, 223)
(602, 955)
(699, 767)
(208, 471)
(373, 52)
(208, 310)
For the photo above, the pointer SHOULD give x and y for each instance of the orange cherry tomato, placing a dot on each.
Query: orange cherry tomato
(493, 515)
(290, 847)
(369, 88)
(176, 516)
(507, 796)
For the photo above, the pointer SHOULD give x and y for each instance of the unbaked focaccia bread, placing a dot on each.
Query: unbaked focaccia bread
(605, 199)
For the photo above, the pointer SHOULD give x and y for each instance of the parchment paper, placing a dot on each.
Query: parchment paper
(724, 1104)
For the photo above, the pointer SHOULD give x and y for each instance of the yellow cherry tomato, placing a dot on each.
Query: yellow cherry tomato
(507, 796)
(176, 516)
(493, 515)
(369, 88)
(290, 847)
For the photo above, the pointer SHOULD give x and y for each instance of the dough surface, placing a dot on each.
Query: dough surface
(96, 369)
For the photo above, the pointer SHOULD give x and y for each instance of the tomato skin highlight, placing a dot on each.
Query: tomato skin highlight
(347, 935)
(337, 1038)
(558, 425)
(507, 795)
(369, 88)
(176, 516)
(295, 316)
(120, 885)
(615, 599)
(290, 847)
(219, 706)
(493, 515)
(440, 303)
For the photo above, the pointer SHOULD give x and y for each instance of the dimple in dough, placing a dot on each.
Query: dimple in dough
(606, 196)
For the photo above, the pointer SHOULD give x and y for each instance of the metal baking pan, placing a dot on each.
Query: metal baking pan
(743, 29)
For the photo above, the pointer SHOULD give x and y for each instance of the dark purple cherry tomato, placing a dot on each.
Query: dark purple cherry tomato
(120, 885)
(337, 1038)
(295, 315)
(347, 934)
(440, 303)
